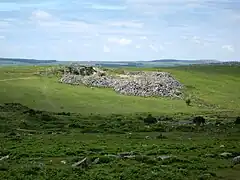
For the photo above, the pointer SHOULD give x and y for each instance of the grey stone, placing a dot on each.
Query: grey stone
(209, 155)
(112, 155)
(236, 160)
(226, 154)
(143, 84)
(4, 157)
(125, 154)
(164, 157)
(129, 157)
(80, 163)
(78, 69)
(63, 162)
(96, 161)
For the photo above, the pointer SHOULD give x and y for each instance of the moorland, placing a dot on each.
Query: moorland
(51, 130)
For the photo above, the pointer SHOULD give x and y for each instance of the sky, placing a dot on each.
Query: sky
(115, 30)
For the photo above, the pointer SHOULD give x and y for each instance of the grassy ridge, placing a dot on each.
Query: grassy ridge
(210, 88)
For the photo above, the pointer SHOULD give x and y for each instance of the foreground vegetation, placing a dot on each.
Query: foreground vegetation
(44, 145)
(46, 127)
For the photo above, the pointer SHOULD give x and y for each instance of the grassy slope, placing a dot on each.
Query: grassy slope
(211, 88)
(37, 149)
(214, 84)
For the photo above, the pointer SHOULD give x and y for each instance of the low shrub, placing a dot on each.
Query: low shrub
(237, 121)
(150, 119)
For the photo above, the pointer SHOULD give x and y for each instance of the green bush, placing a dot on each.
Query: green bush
(150, 119)
(188, 101)
(161, 136)
(237, 121)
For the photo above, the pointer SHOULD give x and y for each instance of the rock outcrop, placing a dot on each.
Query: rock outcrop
(144, 84)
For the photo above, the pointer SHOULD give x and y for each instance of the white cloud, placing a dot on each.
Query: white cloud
(106, 49)
(31, 47)
(235, 17)
(106, 7)
(145, 35)
(228, 47)
(4, 24)
(41, 15)
(120, 41)
(204, 41)
(86, 45)
(161, 47)
(184, 37)
(52, 23)
(143, 38)
(128, 24)
(154, 48)
(196, 39)
(71, 24)
(162, 2)
(168, 43)
(58, 25)
(138, 46)
(151, 7)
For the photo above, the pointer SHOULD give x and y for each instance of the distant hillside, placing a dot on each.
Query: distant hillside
(155, 63)
(150, 63)
(25, 61)
(186, 61)
(230, 63)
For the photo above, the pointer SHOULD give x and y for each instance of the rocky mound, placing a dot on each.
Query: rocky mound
(149, 84)
(80, 70)
(131, 83)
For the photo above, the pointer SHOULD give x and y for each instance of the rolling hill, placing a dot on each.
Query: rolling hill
(150, 63)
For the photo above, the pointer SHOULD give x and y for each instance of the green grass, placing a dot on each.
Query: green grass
(37, 143)
(100, 123)
(210, 89)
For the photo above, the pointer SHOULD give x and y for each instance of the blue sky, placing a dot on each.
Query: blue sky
(120, 29)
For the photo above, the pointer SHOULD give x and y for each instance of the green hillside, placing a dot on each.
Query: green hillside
(56, 131)
(210, 88)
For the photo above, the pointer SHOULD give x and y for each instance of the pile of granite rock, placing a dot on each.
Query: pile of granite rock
(130, 83)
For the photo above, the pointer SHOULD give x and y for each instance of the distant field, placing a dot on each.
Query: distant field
(211, 88)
